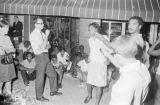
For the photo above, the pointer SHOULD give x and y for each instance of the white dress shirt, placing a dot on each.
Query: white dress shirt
(36, 38)
(132, 86)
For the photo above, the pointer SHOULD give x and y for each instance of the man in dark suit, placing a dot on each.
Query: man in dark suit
(17, 29)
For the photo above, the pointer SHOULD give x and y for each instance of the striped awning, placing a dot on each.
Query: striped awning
(149, 10)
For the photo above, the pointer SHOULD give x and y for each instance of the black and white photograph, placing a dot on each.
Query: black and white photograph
(79, 52)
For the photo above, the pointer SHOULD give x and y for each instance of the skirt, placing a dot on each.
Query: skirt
(7, 72)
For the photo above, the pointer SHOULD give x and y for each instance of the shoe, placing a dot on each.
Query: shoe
(43, 99)
(87, 99)
(55, 93)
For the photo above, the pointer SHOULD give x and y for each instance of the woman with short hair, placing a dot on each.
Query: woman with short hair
(97, 67)
(7, 71)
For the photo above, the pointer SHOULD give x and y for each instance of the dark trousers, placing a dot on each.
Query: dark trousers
(42, 61)
(28, 77)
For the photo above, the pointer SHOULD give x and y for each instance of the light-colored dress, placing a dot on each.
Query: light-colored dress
(7, 72)
(97, 68)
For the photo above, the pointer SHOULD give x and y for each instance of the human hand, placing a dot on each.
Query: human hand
(47, 32)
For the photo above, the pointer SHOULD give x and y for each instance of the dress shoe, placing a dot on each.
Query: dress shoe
(87, 99)
(55, 93)
(43, 99)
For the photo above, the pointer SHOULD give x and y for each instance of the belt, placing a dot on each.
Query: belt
(45, 53)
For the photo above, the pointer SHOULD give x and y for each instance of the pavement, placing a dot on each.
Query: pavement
(73, 94)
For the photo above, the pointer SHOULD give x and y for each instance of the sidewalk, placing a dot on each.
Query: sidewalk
(72, 93)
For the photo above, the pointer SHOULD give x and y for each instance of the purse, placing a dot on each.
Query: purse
(7, 58)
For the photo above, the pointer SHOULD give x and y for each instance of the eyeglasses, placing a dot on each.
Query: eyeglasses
(40, 23)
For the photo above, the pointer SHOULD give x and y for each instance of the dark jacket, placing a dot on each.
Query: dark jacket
(18, 27)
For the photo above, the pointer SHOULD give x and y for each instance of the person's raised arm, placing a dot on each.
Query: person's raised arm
(105, 41)
(112, 58)
(153, 51)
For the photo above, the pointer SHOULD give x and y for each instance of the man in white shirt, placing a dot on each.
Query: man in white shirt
(40, 45)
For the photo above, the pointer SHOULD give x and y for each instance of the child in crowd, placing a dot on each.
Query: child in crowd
(81, 51)
(82, 67)
(25, 47)
(58, 66)
(75, 60)
(27, 68)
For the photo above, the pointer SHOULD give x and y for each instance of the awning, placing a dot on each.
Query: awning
(149, 10)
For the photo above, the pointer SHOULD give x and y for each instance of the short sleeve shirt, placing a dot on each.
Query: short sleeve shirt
(27, 64)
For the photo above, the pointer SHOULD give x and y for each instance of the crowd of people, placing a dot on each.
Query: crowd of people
(129, 54)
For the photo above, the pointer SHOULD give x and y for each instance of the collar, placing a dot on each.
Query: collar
(37, 30)
(129, 66)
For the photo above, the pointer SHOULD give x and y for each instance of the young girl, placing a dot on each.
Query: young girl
(82, 67)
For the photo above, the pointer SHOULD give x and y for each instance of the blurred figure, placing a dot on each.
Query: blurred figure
(82, 52)
(25, 47)
(7, 71)
(133, 83)
(82, 69)
(154, 50)
(17, 28)
(67, 44)
(75, 60)
(54, 50)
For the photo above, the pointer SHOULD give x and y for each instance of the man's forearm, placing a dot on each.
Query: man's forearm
(25, 68)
